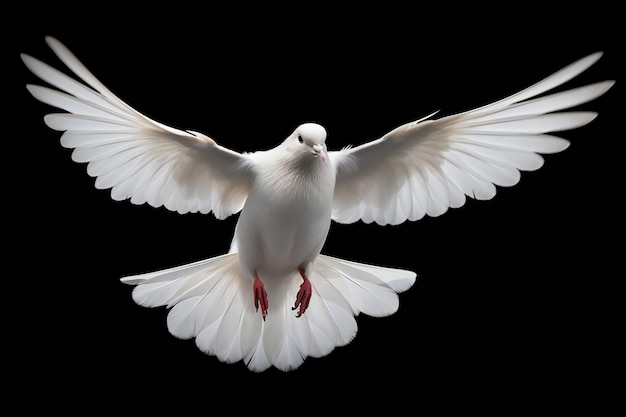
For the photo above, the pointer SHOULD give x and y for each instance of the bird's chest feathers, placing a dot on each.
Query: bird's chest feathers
(287, 215)
(292, 183)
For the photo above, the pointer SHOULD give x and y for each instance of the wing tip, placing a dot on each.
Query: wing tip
(564, 144)
(589, 117)
(606, 85)
(131, 280)
(596, 55)
(590, 59)
(28, 60)
(51, 41)
(32, 88)
(52, 121)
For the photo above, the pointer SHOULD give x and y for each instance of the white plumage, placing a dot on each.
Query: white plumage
(287, 197)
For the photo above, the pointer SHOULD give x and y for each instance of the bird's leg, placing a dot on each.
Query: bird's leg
(260, 295)
(304, 294)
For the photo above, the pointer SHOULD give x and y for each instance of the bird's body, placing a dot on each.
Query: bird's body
(287, 198)
(285, 220)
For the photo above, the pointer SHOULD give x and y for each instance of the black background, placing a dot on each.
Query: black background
(519, 303)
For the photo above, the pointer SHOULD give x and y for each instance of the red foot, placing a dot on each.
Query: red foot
(260, 295)
(304, 295)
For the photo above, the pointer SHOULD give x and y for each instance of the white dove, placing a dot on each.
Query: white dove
(287, 197)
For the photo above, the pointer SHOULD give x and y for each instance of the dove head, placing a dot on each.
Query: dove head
(309, 138)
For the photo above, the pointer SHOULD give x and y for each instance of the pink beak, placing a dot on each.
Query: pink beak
(319, 151)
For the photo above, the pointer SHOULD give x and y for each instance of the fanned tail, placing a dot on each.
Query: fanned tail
(212, 301)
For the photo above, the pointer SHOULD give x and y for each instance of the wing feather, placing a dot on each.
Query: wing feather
(136, 157)
(425, 167)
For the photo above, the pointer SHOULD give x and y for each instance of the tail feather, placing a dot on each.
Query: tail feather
(227, 343)
(212, 301)
(283, 338)
(370, 289)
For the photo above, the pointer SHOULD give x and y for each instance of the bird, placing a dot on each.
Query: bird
(274, 300)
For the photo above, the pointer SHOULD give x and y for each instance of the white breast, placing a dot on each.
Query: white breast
(286, 218)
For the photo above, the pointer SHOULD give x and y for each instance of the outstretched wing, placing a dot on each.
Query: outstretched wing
(135, 156)
(427, 166)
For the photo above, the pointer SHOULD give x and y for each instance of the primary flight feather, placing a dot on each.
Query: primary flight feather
(274, 300)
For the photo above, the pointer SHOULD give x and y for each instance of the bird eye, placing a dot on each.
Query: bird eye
(300, 139)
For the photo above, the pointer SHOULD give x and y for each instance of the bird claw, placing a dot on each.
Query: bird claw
(260, 296)
(304, 295)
